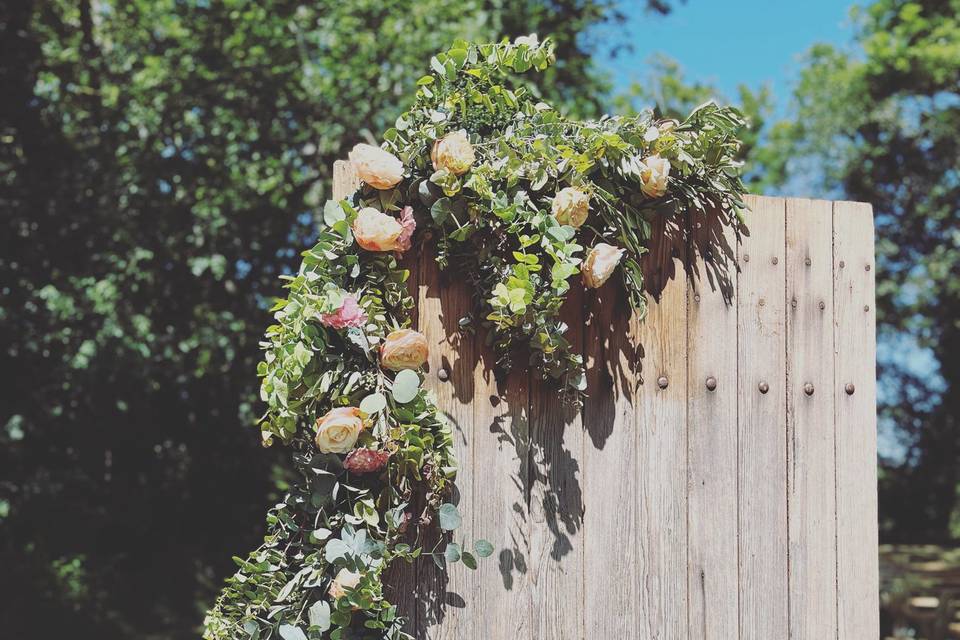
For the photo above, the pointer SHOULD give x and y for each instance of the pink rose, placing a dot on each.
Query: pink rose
(409, 226)
(350, 314)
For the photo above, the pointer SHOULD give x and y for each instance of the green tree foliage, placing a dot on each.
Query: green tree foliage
(879, 124)
(161, 162)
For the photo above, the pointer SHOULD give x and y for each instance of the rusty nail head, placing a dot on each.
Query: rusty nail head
(823, 305)
(711, 383)
(842, 264)
(764, 387)
(849, 388)
(867, 267)
(696, 297)
(443, 374)
(866, 307)
(807, 262)
(808, 389)
(793, 303)
(774, 260)
(762, 302)
(746, 257)
(662, 382)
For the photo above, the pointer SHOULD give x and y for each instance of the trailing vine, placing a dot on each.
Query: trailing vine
(521, 201)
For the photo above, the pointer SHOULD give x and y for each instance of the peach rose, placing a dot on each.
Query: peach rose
(453, 152)
(376, 231)
(338, 431)
(378, 168)
(600, 264)
(654, 172)
(345, 579)
(571, 206)
(404, 349)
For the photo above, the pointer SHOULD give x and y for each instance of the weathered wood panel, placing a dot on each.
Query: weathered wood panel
(668, 509)
(811, 449)
(554, 571)
(712, 432)
(761, 410)
(854, 392)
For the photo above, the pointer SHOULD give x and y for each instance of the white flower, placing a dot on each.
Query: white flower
(453, 152)
(654, 172)
(338, 430)
(345, 579)
(571, 206)
(378, 168)
(376, 231)
(600, 264)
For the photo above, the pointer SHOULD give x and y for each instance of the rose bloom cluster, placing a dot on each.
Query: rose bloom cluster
(339, 430)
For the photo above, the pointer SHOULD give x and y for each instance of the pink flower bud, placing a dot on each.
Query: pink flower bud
(365, 460)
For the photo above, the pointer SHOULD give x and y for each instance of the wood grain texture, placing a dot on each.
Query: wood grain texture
(663, 509)
(660, 418)
(856, 420)
(447, 600)
(712, 433)
(761, 409)
(345, 180)
(555, 567)
(610, 523)
(500, 476)
(811, 478)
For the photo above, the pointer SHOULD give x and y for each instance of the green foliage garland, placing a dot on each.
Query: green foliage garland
(513, 192)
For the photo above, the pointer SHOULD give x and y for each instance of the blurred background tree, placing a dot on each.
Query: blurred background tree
(160, 163)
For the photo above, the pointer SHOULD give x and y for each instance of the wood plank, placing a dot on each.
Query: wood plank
(345, 179)
(712, 432)
(556, 505)
(761, 402)
(611, 577)
(856, 420)
(660, 418)
(446, 600)
(499, 473)
(811, 479)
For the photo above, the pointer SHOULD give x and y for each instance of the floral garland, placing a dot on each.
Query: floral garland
(514, 193)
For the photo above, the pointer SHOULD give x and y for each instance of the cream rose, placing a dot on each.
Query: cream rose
(453, 152)
(376, 231)
(338, 431)
(378, 168)
(345, 579)
(600, 264)
(404, 349)
(653, 174)
(571, 206)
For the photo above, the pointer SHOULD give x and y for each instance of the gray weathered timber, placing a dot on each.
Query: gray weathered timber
(720, 481)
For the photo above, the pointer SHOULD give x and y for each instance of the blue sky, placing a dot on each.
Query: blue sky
(731, 42)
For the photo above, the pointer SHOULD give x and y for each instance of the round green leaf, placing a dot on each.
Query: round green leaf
(483, 548)
(449, 517)
(373, 403)
(405, 386)
(452, 553)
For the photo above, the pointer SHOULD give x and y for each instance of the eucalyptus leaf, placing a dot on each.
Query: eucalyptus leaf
(405, 386)
(449, 517)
